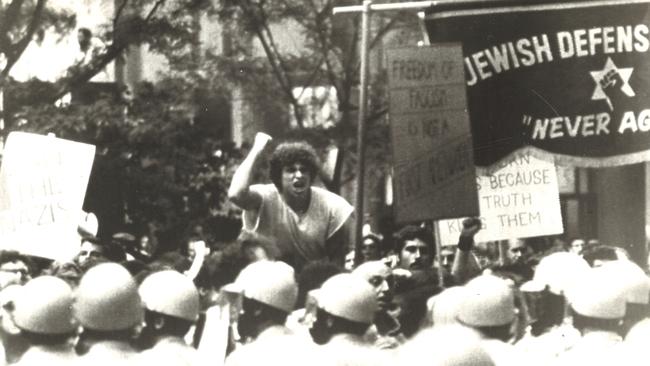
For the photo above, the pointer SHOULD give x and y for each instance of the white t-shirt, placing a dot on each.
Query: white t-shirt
(300, 238)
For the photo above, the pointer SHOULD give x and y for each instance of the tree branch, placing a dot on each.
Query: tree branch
(382, 31)
(153, 10)
(118, 12)
(17, 49)
(11, 16)
(63, 86)
(272, 56)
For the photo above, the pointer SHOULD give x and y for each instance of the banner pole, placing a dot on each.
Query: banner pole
(361, 128)
(438, 240)
(413, 5)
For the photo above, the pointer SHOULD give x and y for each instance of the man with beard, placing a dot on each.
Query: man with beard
(416, 280)
(306, 222)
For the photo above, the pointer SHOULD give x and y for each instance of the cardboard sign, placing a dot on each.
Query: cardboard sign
(432, 155)
(571, 79)
(520, 199)
(43, 182)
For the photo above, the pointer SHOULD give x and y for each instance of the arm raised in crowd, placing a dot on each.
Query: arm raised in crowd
(465, 265)
(239, 192)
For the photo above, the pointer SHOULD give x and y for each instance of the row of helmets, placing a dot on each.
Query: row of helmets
(602, 292)
(273, 284)
(107, 299)
(599, 292)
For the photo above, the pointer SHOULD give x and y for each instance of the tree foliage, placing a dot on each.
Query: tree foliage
(329, 56)
(161, 162)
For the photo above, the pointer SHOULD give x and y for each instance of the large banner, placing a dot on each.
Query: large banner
(518, 199)
(43, 183)
(430, 134)
(570, 79)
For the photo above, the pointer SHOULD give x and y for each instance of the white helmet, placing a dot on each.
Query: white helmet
(44, 306)
(445, 306)
(556, 271)
(633, 281)
(349, 297)
(370, 269)
(459, 346)
(107, 299)
(639, 334)
(597, 294)
(271, 283)
(170, 293)
(489, 301)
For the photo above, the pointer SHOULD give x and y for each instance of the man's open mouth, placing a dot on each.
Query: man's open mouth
(299, 185)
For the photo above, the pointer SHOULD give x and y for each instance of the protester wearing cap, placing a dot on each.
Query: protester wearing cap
(345, 312)
(269, 294)
(550, 334)
(171, 303)
(598, 304)
(109, 308)
(43, 313)
(488, 307)
(307, 222)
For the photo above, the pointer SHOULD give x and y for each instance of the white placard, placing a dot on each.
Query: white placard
(43, 183)
(518, 200)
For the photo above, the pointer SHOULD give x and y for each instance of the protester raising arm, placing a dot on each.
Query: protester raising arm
(465, 266)
(239, 192)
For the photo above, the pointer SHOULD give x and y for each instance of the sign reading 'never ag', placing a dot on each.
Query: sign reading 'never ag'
(571, 79)
(434, 174)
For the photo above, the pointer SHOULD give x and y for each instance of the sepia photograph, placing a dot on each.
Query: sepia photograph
(324, 182)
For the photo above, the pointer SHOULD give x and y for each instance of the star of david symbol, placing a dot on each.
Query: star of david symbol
(609, 77)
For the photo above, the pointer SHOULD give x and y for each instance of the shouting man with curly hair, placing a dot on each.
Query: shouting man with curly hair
(307, 223)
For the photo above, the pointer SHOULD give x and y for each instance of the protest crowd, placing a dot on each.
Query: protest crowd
(290, 291)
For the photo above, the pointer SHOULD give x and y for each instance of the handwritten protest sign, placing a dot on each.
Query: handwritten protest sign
(519, 199)
(570, 79)
(43, 182)
(431, 140)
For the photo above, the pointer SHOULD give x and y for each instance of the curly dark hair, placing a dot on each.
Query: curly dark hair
(412, 232)
(288, 153)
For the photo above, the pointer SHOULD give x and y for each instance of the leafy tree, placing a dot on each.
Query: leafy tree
(329, 56)
(159, 165)
(19, 22)
(167, 26)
